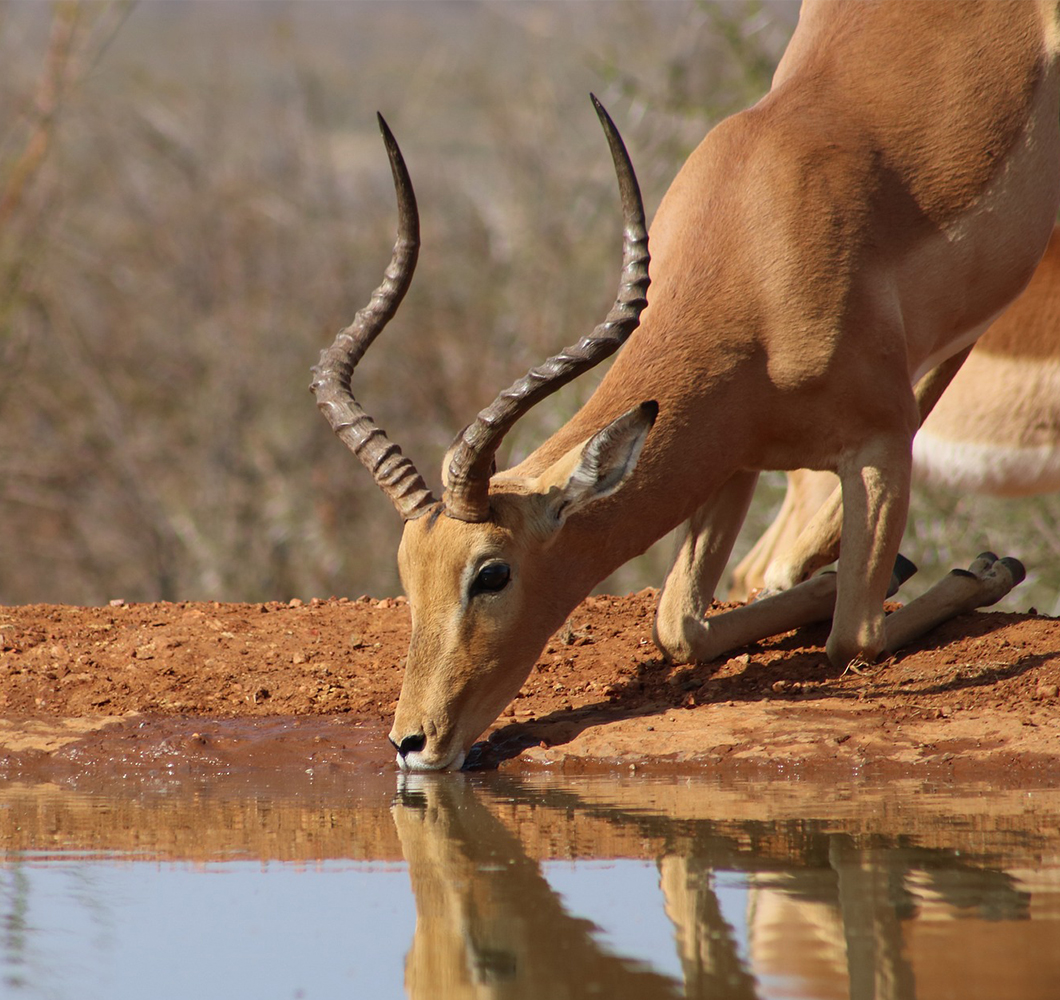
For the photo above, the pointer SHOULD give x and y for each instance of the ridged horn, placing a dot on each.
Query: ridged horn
(395, 474)
(472, 457)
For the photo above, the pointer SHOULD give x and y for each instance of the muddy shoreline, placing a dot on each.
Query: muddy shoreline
(297, 685)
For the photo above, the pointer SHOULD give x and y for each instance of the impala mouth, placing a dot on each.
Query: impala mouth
(420, 761)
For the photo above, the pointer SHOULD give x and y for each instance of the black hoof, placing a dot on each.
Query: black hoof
(903, 569)
(1016, 568)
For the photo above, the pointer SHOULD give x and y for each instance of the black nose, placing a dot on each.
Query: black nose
(410, 744)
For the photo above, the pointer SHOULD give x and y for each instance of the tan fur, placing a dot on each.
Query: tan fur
(995, 430)
(814, 257)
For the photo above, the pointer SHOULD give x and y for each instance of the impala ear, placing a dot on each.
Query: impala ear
(601, 465)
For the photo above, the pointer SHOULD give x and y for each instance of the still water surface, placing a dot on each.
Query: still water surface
(538, 887)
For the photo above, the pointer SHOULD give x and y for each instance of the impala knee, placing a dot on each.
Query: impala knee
(685, 639)
(670, 637)
(861, 645)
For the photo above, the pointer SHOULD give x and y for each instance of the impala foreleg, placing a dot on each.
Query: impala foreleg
(985, 582)
(875, 484)
(806, 603)
(702, 553)
(818, 543)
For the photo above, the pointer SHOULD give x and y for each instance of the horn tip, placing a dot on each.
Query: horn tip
(388, 136)
(601, 111)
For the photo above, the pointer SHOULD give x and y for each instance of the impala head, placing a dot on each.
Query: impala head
(479, 565)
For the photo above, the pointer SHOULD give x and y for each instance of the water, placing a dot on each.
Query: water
(352, 885)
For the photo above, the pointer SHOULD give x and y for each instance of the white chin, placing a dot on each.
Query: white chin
(415, 762)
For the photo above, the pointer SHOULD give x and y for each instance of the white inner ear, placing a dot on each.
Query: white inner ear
(607, 460)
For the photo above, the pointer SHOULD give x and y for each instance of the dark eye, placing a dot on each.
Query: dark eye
(492, 578)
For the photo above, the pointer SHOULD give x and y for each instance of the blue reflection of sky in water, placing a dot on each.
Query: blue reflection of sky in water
(144, 930)
(131, 929)
(622, 897)
(731, 890)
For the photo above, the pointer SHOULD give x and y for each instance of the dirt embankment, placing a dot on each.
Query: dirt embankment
(979, 694)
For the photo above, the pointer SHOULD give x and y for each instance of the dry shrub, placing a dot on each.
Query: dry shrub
(212, 202)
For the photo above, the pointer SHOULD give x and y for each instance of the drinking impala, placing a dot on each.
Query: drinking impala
(813, 259)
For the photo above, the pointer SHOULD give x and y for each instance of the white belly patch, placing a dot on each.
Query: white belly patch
(986, 468)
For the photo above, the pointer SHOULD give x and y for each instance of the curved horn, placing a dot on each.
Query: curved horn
(395, 474)
(467, 492)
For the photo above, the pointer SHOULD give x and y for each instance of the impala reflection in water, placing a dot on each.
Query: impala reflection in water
(540, 886)
(488, 922)
(828, 914)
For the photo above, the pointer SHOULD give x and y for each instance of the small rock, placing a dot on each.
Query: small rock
(295, 602)
(1045, 691)
(298, 657)
(780, 686)
(118, 602)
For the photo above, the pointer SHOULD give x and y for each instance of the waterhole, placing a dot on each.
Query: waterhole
(329, 881)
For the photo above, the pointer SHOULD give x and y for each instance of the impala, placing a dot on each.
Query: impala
(995, 430)
(813, 259)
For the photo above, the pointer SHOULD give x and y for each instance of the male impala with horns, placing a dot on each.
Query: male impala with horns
(815, 257)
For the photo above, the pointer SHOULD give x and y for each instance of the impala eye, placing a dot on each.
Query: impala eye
(492, 578)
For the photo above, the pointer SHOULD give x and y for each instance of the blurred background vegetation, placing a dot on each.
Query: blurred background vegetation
(194, 198)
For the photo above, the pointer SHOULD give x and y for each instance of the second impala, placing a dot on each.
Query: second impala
(814, 258)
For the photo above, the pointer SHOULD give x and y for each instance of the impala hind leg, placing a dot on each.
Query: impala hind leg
(806, 492)
(816, 545)
(680, 631)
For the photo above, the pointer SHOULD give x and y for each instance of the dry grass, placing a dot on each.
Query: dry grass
(201, 200)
